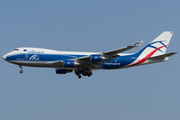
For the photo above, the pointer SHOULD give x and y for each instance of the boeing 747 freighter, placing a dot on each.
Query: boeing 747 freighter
(83, 63)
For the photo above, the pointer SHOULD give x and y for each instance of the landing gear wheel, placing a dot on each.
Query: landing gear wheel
(79, 76)
(89, 74)
(21, 71)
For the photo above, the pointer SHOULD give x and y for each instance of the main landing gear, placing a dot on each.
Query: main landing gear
(21, 71)
(79, 76)
(83, 72)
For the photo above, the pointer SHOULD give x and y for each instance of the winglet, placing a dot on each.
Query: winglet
(138, 43)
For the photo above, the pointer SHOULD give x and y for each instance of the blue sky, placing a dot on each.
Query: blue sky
(139, 93)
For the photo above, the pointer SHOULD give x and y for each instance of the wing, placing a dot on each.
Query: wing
(113, 53)
(123, 49)
(91, 62)
(94, 61)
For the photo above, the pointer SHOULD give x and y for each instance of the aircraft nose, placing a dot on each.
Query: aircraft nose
(4, 57)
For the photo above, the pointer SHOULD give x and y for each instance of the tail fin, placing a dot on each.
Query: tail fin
(158, 46)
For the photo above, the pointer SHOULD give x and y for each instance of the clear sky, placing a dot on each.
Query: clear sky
(148, 92)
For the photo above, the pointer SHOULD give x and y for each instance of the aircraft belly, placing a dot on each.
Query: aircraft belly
(39, 64)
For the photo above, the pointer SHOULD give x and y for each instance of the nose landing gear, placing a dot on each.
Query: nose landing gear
(21, 71)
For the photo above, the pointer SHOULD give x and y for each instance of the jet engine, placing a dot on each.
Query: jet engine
(70, 63)
(97, 58)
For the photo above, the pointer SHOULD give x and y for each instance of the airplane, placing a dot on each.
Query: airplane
(83, 63)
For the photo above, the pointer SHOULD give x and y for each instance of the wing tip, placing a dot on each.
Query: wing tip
(138, 43)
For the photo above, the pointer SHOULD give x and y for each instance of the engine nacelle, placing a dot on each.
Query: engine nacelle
(62, 71)
(70, 63)
(96, 58)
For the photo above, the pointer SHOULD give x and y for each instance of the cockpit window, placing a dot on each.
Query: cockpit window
(16, 49)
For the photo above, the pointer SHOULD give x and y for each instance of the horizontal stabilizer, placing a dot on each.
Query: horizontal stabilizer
(162, 56)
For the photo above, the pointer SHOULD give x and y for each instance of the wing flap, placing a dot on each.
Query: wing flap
(94, 66)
